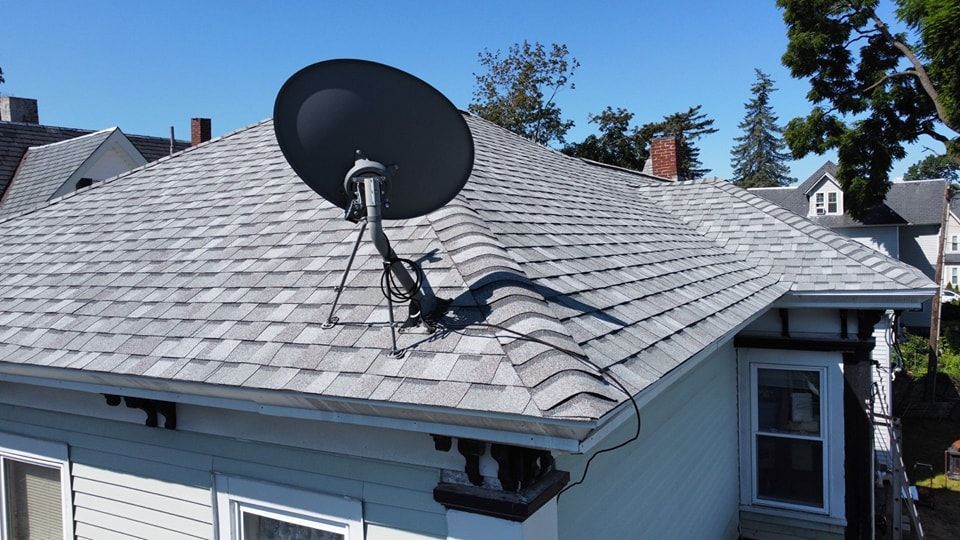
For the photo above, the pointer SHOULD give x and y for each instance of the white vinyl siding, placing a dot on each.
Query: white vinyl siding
(137, 482)
(679, 479)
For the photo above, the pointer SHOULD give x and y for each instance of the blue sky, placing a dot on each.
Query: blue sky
(147, 65)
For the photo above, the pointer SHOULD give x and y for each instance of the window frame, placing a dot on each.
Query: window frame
(955, 243)
(835, 203)
(236, 495)
(42, 453)
(819, 204)
(954, 275)
(822, 437)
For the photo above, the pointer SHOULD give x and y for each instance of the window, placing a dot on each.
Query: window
(252, 510)
(788, 437)
(819, 204)
(953, 275)
(34, 490)
(954, 245)
(832, 202)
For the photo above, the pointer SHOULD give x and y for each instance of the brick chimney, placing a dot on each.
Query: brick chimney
(663, 154)
(15, 109)
(199, 130)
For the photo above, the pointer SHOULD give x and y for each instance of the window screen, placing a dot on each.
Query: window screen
(34, 504)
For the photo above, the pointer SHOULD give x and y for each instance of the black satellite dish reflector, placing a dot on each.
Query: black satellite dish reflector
(381, 144)
(328, 112)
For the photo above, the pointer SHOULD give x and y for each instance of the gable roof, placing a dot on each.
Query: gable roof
(44, 169)
(809, 257)
(217, 267)
(907, 203)
(17, 137)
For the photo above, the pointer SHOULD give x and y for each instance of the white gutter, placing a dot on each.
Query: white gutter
(241, 399)
(624, 412)
(909, 299)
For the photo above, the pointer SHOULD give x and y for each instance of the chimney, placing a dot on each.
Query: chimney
(663, 154)
(14, 109)
(199, 130)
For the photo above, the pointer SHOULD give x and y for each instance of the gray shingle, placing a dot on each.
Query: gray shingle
(228, 269)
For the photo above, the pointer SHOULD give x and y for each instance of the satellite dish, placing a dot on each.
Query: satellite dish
(381, 144)
(330, 116)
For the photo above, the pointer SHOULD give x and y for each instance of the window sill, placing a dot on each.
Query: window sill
(794, 514)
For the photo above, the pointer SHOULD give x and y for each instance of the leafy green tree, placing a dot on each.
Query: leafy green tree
(689, 127)
(934, 167)
(873, 89)
(518, 91)
(625, 146)
(759, 155)
(618, 144)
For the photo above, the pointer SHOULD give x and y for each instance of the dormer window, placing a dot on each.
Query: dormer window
(825, 203)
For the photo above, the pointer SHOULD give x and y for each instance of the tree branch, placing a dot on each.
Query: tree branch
(921, 72)
(858, 38)
(888, 76)
(934, 135)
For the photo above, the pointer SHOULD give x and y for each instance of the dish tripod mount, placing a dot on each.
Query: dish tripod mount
(367, 182)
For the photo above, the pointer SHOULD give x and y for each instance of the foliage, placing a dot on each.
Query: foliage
(689, 127)
(618, 144)
(625, 146)
(517, 91)
(934, 167)
(915, 350)
(873, 90)
(2, 80)
(759, 155)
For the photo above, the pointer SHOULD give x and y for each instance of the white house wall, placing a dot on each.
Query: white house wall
(679, 479)
(885, 239)
(131, 481)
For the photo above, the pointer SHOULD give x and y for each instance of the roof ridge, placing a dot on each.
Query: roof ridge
(84, 136)
(106, 181)
(825, 235)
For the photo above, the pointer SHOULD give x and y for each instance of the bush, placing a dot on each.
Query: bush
(915, 350)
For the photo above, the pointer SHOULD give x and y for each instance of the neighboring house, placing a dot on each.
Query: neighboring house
(21, 136)
(951, 247)
(906, 226)
(194, 291)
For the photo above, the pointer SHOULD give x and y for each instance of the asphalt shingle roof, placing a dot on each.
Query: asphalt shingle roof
(806, 255)
(17, 137)
(907, 203)
(218, 266)
(44, 169)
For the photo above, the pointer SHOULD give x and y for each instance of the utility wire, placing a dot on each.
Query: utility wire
(604, 372)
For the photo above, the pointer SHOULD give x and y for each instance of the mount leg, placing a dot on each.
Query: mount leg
(395, 352)
(331, 320)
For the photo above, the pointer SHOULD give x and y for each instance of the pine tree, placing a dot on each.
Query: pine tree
(759, 155)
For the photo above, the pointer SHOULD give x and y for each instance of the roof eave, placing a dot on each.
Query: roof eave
(527, 431)
(883, 299)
